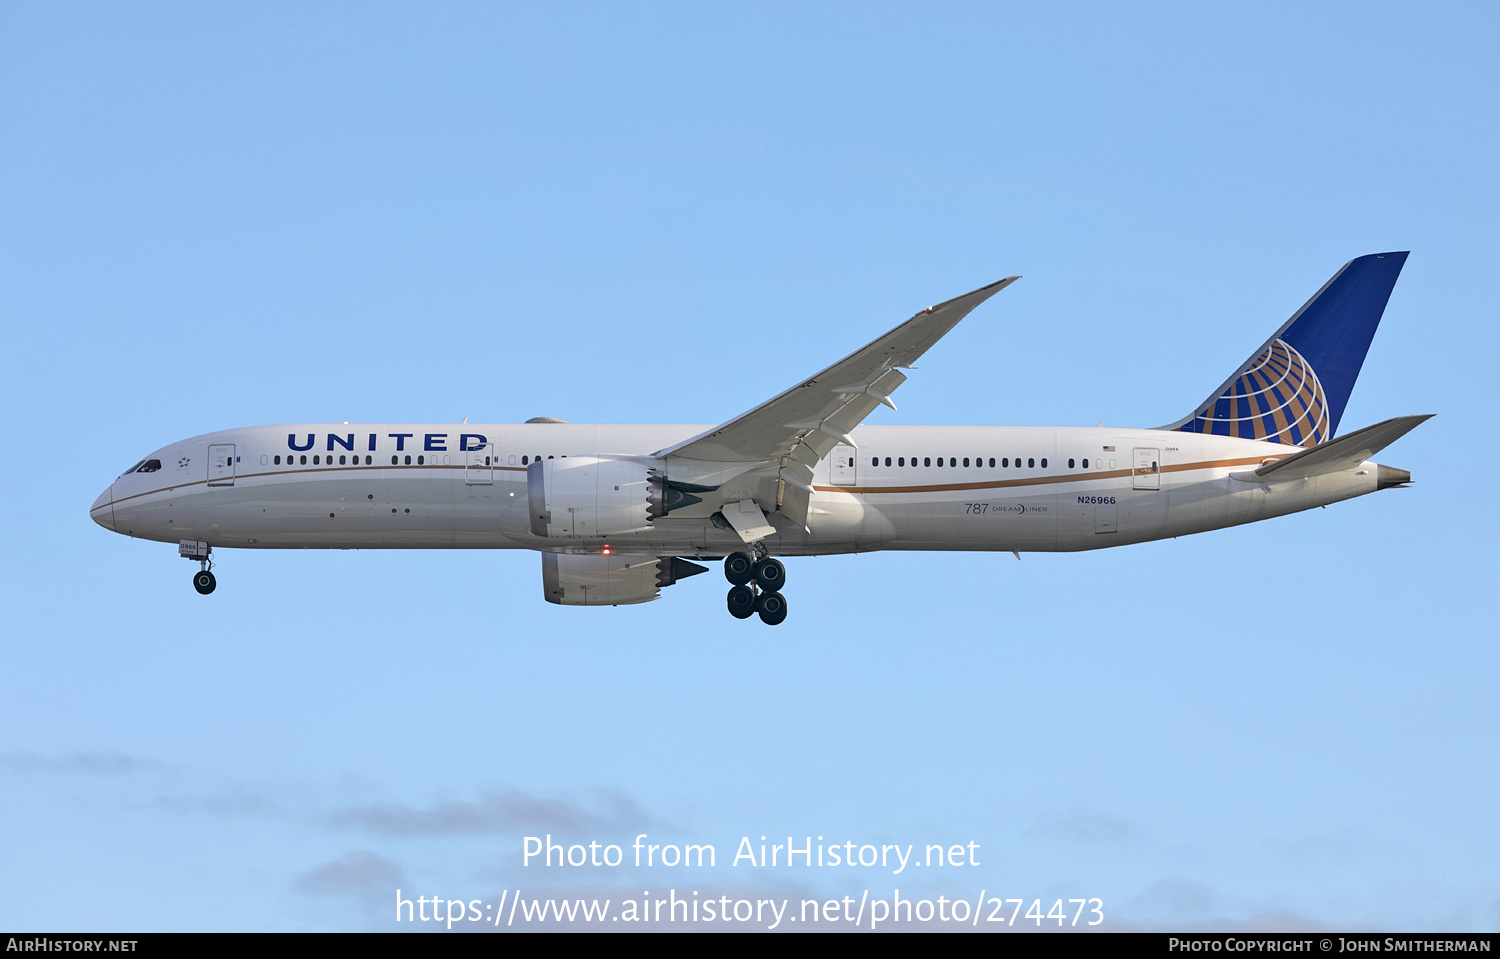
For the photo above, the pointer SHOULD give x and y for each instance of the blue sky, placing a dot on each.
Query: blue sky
(220, 216)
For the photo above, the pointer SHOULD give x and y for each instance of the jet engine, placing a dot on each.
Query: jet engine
(591, 497)
(588, 497)
(615, 580)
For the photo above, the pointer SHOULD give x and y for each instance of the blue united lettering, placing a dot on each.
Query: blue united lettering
(431, 442)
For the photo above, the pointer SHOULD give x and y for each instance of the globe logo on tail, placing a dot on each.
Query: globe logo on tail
(1278, 399)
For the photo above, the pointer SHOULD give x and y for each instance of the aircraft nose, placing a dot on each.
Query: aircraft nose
(103, 510)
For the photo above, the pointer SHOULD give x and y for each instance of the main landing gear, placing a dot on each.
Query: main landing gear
(757, 586)
(203, 580)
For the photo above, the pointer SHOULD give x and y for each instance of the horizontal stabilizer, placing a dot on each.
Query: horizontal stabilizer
(1340, 454)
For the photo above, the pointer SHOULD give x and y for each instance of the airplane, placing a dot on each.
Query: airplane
(619, 512)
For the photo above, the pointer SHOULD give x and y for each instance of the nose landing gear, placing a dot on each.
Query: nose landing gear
(203, 580)
(757, 586)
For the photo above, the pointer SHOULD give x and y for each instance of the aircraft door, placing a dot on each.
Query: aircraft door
(221, 465)
(1147, 472)
(841, 468)
(479, 465)
(1106, 515)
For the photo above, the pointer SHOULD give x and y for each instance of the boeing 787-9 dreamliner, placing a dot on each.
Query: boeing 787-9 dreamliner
(619, 512)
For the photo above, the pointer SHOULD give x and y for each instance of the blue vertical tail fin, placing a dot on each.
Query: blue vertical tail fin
(1293, 389)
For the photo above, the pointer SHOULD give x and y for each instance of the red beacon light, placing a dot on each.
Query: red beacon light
(605, 551)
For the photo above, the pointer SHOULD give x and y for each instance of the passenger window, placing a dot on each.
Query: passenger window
(408, 459)
(926, 461)
(303, 458)
(393, 463)
(1031, 463)
(940, 462)
(341, 460)
(1070, 463)
(421, 460)
(276, 460)
(888, 461)
(900, 461)
(369, 459)
(1005, 461)
(1085, 463)
(966, 461)
(315, 459)
(992, 461)
(1044, 462)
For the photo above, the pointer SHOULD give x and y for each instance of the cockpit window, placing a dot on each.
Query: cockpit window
(134, 468)
(150, 466)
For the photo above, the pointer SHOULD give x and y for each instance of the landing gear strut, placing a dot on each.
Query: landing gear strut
(203, 580)
(757, 580)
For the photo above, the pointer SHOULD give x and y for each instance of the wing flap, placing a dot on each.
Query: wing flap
(850, 415)
(794, 502)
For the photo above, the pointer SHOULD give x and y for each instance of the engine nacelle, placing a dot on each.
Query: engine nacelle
(589, 497)
(615, 580)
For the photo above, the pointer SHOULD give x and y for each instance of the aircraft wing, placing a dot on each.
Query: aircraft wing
(791, 432)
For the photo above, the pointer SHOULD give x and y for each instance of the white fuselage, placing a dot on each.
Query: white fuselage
(335, 487)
